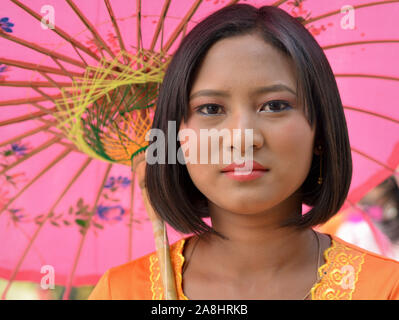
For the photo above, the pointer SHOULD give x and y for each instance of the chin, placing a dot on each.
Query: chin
(243, 209)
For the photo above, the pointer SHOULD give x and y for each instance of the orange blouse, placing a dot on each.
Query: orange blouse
(349, 272)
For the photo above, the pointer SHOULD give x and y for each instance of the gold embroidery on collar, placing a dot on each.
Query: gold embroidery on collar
(178, 270)
(177, 259)
(340, 273)
(155, 278)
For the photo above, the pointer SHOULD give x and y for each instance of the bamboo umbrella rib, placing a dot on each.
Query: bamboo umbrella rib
(43, 93)
(129, 256)
(31, 84)
(49, 112)
(80, 56)
(370, 4)
(38, 229)
(278, 3)
(14, 102)
(49, 122)
(34, 248)
(184, 30)
(160, 23)
(35, 67)
(58, 134)
(138, 27)
(45, 110)
(56, 84)
(179, 28)
(53, 124)
(66, 144)
(83, 238)
(30, 116)
(91, 28)
(62, 68)
(41, 173)
(345, 44)
(40, 148)
(115, 24)
(393, 170)
(396, 121)
(44, 121)
(57, 30)
(358, 75)
(42, 50)
(24, 135)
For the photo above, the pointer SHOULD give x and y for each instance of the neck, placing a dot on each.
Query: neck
(257, 245)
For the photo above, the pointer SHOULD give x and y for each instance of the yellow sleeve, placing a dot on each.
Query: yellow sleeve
(102, 289)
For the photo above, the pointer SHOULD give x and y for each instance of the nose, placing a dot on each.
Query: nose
(246, 134)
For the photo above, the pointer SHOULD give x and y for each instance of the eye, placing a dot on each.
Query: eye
(276, 105)
(211, 109)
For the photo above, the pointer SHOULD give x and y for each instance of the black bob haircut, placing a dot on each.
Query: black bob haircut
(171, 191)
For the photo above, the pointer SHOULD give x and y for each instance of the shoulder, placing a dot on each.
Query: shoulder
(375, 276)
(143, 264)
(138, 279)
(372, 257)
(123, 282)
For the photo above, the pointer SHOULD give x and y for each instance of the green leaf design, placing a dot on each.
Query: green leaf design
(82, 223)
(97, 225)
(54, 223)
(80, 203)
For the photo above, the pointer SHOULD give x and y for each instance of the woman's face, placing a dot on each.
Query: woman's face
(233, 72)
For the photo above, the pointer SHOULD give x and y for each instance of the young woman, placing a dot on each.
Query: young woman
(260, 69)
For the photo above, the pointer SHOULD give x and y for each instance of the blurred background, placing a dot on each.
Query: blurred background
(25, 290)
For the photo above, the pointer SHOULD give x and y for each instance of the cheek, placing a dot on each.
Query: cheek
(291, 142)
(202, 177)
(199, 149)
(191, 147)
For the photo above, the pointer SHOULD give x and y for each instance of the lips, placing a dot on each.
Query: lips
(244, 173)
(250, 164)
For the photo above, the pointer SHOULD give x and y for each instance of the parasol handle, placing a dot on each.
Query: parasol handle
(162, 246)
(160, 234)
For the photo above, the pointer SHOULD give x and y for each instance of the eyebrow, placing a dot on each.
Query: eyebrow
(217, 93)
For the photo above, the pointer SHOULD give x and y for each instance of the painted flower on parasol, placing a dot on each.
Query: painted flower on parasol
(6, 25)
